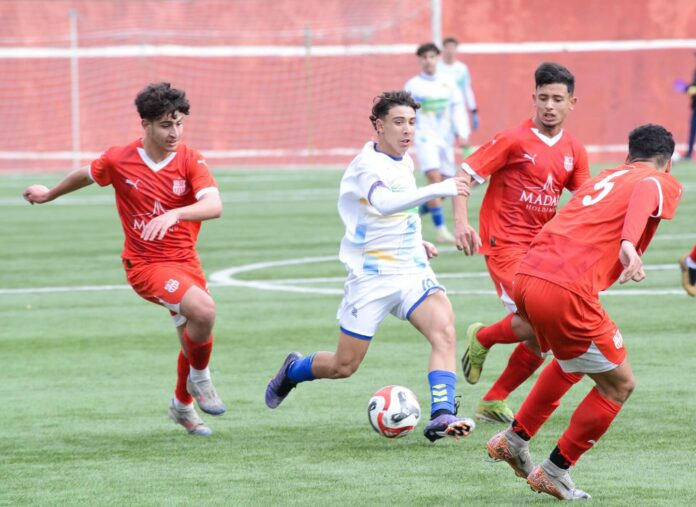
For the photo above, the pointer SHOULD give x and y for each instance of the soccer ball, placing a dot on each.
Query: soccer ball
(393, 411)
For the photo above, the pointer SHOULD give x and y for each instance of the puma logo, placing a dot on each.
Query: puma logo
(530, 157)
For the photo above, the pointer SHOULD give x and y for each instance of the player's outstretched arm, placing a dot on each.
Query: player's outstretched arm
(75, 180)
(632, 263)
(466, 237)
(209, 206)
(387, 202)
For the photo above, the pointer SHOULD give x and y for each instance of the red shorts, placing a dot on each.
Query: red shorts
(165, 283)
(502, 267)
(578, 330)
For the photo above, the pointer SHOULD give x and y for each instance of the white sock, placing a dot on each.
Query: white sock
(442, 227)
(180, 406)
(690, 263)
(198, 375)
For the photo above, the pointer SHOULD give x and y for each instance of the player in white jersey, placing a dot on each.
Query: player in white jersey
(459, 72)
(441, 123)
(388, 269)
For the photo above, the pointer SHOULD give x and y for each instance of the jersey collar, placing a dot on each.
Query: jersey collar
(155, 166)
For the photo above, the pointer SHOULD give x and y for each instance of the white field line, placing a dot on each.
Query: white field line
(241, 51)
(226, 278)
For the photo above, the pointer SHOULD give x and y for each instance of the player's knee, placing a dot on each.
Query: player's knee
(627, 388)
(203, 310)
(345, 370)
(445, 338)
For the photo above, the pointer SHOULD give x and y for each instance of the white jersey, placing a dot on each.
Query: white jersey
(373, 243)
(441, 114)
(459, 72)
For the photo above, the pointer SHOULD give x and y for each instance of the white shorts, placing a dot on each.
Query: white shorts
(592, 361)
(432, 155)
(369, 298)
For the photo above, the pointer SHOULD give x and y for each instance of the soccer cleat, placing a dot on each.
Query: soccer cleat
(555, 481)
(494, 411)
(448, 425)
(189, 419)
(474, 355)
(207, 397)
(280, 385)
(688, 277)
(445, 236)
(514, 450)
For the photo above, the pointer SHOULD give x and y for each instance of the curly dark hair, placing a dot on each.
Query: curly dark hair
(428, 46)
(159, 99)
(551, 73)
(650, 142)
(387, 100)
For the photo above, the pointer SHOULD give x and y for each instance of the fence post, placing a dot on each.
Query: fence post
(74, 90)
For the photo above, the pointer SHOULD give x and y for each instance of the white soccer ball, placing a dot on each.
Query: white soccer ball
(393, 411)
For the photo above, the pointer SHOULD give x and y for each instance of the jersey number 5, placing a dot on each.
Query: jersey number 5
(605, 186)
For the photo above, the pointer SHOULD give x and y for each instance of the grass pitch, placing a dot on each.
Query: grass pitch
(89, 367)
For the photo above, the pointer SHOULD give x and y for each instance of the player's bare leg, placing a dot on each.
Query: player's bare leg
(199, 309)
(434, 318)
(350, 352)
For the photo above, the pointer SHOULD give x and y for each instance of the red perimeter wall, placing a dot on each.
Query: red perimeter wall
(263, 103)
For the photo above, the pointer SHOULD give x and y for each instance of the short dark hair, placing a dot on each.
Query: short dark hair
(650, 142)
(383, 103)
(551, 73)
(159, 99)
(428, 46)
(450, 40)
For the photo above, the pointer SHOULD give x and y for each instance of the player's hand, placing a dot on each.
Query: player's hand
(462, 184)
(474, 120)
(466, 238)
(36, 194)
(430, 249)
(157, 227)
(632, 263)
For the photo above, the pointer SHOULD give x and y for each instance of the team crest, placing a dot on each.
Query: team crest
(179, 187)
(568, 163)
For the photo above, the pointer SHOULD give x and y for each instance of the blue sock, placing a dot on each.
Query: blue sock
(423, 209)
(438, 216)
(301, 370)
(442, 390)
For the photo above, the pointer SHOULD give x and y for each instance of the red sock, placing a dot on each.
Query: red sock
(500, 332)
(693, 254)
(545, 397)
(198, 352)
(589, 422)
(522, 363)
(182, 372)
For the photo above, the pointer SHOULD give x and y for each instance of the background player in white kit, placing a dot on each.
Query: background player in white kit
(388, 269)
(459, 72)
(441, 123)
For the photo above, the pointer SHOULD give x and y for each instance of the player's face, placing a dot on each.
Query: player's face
(449, 51)
(552, 103)
(395, 132)
(165, 132)
(428, 62)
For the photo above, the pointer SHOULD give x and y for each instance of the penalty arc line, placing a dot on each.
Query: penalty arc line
(226, 278)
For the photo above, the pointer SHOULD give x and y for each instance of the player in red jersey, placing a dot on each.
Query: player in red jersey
(528, 167)
(163, 191)
(596, 239)
(687, 264)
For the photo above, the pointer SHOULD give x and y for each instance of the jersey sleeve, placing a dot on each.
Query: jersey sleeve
(670, 195)
(367, 181)
(201, 180)
(100, 170)
(489, 158)
(644, 203)
(581, 169)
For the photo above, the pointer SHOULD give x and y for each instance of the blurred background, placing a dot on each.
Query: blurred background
(282, 83)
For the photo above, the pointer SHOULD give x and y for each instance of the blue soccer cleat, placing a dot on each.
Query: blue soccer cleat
(280, 386)
(448, 425)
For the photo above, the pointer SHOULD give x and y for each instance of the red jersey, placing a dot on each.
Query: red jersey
(579, 248)
(145, 189)
(528, 171)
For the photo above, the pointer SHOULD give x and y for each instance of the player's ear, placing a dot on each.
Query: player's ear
(573, 101)
(379, 125)
(145, 123)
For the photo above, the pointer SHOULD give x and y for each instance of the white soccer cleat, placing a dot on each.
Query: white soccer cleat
(509, 447)
(445, 236)
(555, 481)
(188, 418)
(207, 397)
